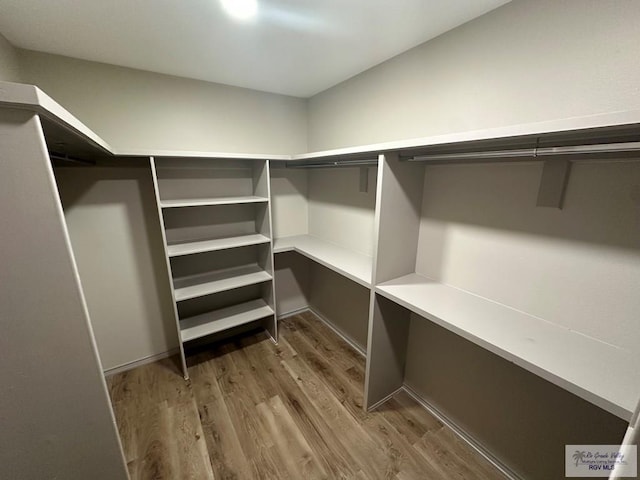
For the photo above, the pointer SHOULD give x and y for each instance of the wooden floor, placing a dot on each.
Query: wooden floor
(292, 411)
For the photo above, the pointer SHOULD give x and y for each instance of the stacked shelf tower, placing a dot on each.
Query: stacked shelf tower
(216, 221)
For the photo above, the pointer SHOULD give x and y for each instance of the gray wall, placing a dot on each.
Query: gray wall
(524, 62)
(115, 232)
(578, 267)
(9, 62)
(516, 415)
(132, 109)
(341, 302)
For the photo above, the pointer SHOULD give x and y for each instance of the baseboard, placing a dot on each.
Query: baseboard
(461, 433)
(328, 323)
(291, 313)
(338, 332)
(371, 408)
(138, 363)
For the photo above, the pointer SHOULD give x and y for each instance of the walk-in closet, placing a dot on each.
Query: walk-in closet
(305, 242)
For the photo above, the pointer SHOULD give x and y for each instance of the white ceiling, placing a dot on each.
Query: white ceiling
(294, 47)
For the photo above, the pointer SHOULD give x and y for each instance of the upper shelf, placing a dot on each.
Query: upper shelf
(62, 127)
(352, 265)
(201, 202)
(600, 373)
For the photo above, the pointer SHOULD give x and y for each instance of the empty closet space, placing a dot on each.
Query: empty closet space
(217, 232)
(324, 221)
(112, 220)
(512, 320)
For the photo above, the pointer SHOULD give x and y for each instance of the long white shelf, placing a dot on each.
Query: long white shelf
(352, 265)
(201, 202)
(600, 373)
(30, 97)
(194, 286)
(188, 248)
(223, 319)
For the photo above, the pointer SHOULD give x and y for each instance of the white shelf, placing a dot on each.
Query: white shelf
(600, 373)
(194, 286)
(188, 248)
(201, 202)
(223, 319)
(30, 97)
(353, 265)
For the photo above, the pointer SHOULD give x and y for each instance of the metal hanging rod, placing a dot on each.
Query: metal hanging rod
(603, 148)
(66, 158)
(337, 163)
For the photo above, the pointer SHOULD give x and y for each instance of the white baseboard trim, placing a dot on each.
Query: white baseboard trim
(370, 408)
(328, 323)
(461, 433)
(338, 332)
(291, 313)
(142, 361)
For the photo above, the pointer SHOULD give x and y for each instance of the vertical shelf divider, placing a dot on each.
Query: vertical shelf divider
(156, 189)
(262, 182)
(398, 205)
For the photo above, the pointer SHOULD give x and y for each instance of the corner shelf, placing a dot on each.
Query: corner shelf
(593, 370)
(194, 286)
(201, 246)
(219, 320)
(353, 265)
(203, 202)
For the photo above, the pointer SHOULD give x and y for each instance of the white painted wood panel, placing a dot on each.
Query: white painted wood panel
(54, 400)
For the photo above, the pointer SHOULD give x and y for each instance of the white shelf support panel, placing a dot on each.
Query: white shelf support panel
(600, 373)
(189, 248)
(207, 202)
(223, 319)
(355, 266)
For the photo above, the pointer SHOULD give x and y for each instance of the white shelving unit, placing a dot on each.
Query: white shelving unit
(216, 222)
(604, 374)
(353, 265)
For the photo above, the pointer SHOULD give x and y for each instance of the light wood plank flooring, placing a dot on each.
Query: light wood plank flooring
(254, 410)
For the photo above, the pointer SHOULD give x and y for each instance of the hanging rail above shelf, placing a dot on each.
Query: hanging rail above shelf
(333, 163)
(583, 151)
(63, 157)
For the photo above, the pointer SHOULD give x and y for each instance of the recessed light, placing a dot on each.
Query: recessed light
(241, 9)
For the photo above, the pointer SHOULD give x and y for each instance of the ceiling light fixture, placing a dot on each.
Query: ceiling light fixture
(241, 9)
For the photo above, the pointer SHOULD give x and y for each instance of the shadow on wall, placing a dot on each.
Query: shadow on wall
(115, 232)
(602, 200)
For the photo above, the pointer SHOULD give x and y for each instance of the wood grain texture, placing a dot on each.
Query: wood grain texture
(255, 410)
